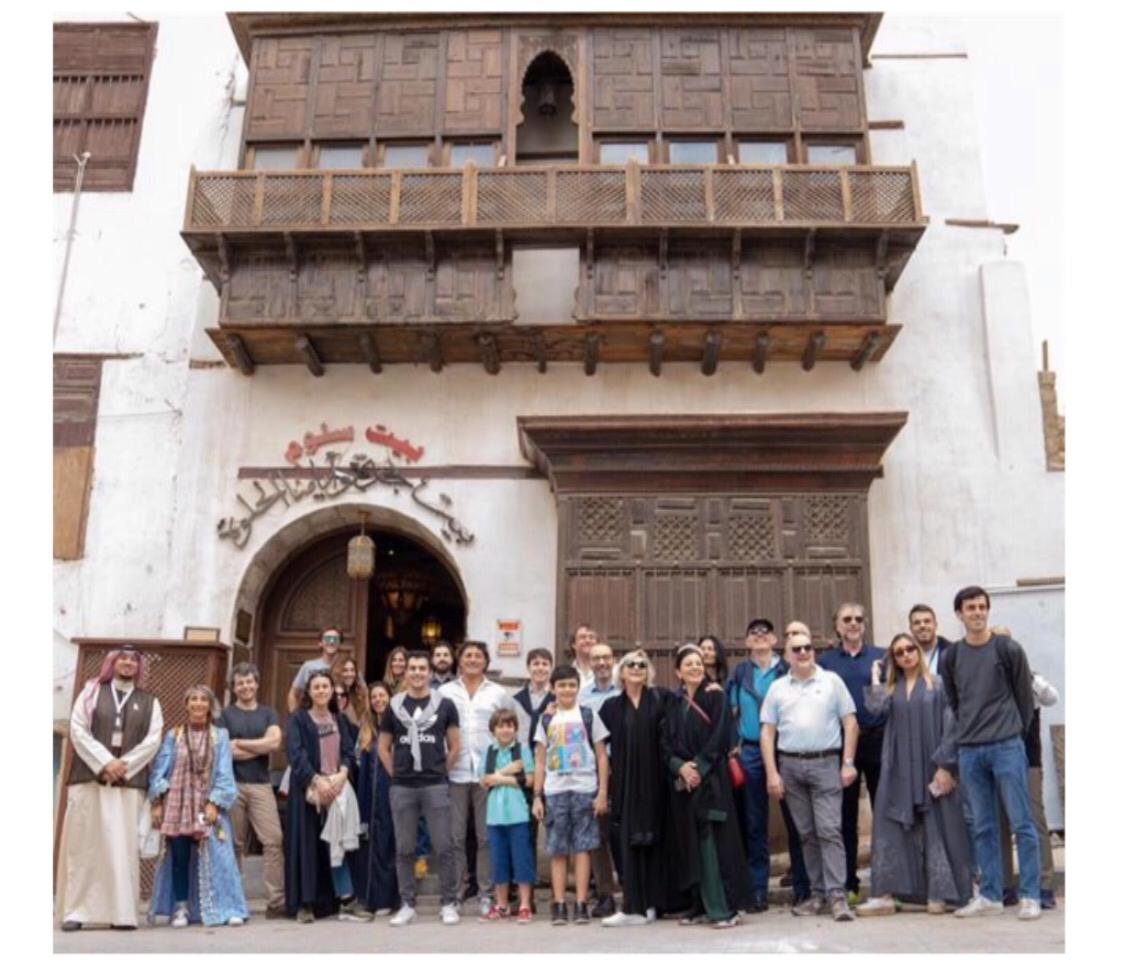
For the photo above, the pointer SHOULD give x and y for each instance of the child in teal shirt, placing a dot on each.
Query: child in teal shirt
(508, 818)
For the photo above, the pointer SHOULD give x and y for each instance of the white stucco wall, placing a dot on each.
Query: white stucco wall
(965, 497)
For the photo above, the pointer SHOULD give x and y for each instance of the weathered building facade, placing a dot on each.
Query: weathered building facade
(656, 322)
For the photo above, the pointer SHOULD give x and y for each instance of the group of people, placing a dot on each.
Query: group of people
(662, 793)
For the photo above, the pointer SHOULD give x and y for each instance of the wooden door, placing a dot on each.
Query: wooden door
(311, 592)
(663, 570)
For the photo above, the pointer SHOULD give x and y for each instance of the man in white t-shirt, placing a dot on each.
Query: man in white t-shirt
(571, 789)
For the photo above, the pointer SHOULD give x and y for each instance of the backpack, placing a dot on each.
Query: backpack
(587, 720)
(490, 762)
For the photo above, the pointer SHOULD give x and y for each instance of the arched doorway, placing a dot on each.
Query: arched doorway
(548, 133)
(310, 589)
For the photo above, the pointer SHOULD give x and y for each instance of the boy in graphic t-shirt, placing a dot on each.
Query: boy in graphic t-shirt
(571, 775)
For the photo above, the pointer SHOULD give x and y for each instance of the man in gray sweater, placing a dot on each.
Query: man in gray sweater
(988, 684)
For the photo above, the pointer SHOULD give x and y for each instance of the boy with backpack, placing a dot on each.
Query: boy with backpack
(508, 818)
(571, 789)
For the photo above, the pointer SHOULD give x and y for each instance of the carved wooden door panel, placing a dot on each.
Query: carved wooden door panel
(312, 592)
(663, 570)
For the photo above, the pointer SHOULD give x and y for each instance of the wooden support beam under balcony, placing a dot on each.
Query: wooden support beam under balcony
(701, 343)
(305, 349)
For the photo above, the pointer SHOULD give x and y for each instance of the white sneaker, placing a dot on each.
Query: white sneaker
(625, 919)
(449, 914)
(485, 905)
(650, 914)
(1029, 909)
(180, 917)
(235, 921)
(385, 911)
(876, 906)
(404, 915)
(980, 906)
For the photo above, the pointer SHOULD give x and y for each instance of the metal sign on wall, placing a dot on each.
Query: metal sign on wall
(326, 476)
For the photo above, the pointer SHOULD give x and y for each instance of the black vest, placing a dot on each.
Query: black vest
(136, 718)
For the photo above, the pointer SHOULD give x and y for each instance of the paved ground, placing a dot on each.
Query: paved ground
(777, 931)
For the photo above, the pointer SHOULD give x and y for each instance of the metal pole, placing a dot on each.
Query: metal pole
(81, 161)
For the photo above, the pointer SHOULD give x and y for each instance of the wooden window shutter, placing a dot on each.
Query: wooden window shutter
(77, 386)
(101, 84)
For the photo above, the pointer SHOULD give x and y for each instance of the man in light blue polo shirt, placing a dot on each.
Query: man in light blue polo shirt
(801, 718)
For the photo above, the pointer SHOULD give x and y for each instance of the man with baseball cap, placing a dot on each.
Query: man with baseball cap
(746, 690)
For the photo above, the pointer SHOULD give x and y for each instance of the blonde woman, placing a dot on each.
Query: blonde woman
(920, 850)
(638, 792)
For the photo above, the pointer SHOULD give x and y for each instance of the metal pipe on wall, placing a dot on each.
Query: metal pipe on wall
(81, 161)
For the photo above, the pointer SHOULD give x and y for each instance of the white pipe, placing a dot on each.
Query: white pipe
(81, 161)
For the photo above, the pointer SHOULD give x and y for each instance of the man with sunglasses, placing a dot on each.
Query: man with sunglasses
(851, 660)
(746, 689)
(802, 716)
(330, 640)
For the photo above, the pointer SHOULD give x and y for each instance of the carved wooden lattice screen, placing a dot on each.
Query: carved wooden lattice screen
(172, 667)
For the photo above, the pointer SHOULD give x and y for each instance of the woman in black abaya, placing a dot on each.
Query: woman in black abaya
(711, 866)
(638, 791)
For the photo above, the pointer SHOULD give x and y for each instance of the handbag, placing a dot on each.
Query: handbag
(148, 836)
(737, 776)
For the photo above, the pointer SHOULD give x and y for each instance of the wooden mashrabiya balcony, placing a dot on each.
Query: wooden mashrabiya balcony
(874, 208)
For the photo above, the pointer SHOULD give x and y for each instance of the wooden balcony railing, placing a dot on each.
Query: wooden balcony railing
(547, 197)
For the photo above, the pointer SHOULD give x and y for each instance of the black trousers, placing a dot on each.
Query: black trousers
(868, 751)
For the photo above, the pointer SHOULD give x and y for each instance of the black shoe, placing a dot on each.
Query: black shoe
(1047, 898)
(1010, 897)
(69, 926)
(759, 904)
(117, 926)
(471, 890)
(787, 880)
(558, 914)
(581, 913)
(605, 906)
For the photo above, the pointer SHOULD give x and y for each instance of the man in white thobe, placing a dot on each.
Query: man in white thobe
(115, 729)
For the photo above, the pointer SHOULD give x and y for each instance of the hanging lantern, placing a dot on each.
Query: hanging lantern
(431, 630)
(547, 105)
(361, 554)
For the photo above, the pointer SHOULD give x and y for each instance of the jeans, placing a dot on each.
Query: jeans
(755, 828)
(512, 858)
(985, 769)
(181, 861)
(868, 758)
(342, 882)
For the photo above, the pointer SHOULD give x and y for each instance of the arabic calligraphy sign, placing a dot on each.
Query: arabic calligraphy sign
(332, 478)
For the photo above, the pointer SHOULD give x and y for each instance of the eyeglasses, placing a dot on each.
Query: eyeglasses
(759, 630)
(634, 664)
(905, 650)
(849, 619)
(798, 649)
(330, 639)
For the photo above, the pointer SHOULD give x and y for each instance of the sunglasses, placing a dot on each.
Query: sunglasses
(331, 640)
(905, 650)
(849, 619)
(759, 630)
(798, 649)
(634, 664)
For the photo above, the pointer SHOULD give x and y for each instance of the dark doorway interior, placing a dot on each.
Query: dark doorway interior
(411, 590)
(548, 133)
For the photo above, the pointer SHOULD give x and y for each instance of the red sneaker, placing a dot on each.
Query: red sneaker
(492, 916)
(524, 915)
